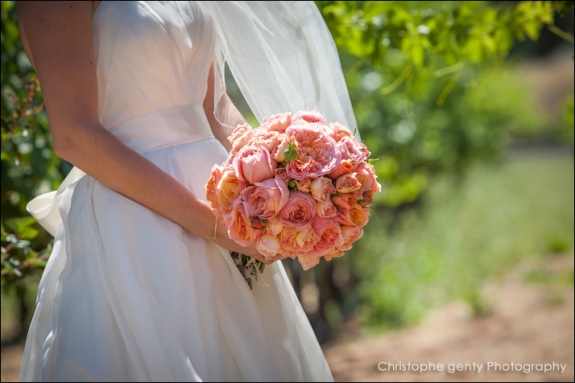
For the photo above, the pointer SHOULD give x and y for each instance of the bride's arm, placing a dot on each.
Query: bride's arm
(58, 40)
(221, 132)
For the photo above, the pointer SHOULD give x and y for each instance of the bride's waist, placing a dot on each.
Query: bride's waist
(164, 128)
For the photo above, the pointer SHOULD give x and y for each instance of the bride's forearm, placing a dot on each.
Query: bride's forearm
(100, 154)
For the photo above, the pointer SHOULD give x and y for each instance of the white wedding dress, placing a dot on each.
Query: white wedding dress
(127, 295)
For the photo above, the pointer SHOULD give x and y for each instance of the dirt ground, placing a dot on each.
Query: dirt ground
(529, 325)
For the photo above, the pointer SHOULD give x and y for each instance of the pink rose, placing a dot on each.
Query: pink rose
(228, 189)
(212, 185)
(322, 188)
(267, 198)
(308, 261)
(277, 122)
(254, 164)
(239, 227)
(345, 167)
(363, 149)
(339, 131)
(329, 236)
(303, 185)
(317, 152)
(282, 173)
(325, 209)
(310, 116)
(347, 183)
(350, 235)
(299, 210)
(351, 150)
(268, 245)
(359, 215)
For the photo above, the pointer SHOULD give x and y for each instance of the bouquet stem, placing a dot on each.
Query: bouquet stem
(249, 267)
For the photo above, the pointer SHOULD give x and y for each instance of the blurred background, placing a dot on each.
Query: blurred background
(468, 255)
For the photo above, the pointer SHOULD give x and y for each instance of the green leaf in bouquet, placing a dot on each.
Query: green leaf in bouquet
(291, 152)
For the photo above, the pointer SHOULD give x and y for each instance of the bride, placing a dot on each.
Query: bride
(140, 285)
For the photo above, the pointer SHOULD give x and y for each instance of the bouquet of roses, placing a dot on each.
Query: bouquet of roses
(295, 186)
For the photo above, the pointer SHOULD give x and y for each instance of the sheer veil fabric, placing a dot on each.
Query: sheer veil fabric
(127, 295)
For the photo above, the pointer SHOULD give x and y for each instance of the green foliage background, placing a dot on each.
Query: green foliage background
(435, 94)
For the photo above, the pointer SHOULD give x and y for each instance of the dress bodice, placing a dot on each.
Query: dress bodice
(151, 56)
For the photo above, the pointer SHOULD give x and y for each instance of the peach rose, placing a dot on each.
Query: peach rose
(254, 164)
(239, 226)
(266, 139)
(335, 253)
(268, 245)
(212, 186)
(228, 189)
(244, 134)
(299, 210)
(317, 152)
(365, 176)
(305, 241)
(303, 185)
(350, 235)
(294, 242)
(322, 188)
(267, 198)
(238, 132)
(279, 151)
(274, 226)
(347, 183)
(329, 236)
(277, 122)
(308, 261)
(338, 131)
(359, 215)
(345, 167)
(287, 239)
(325, 209)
